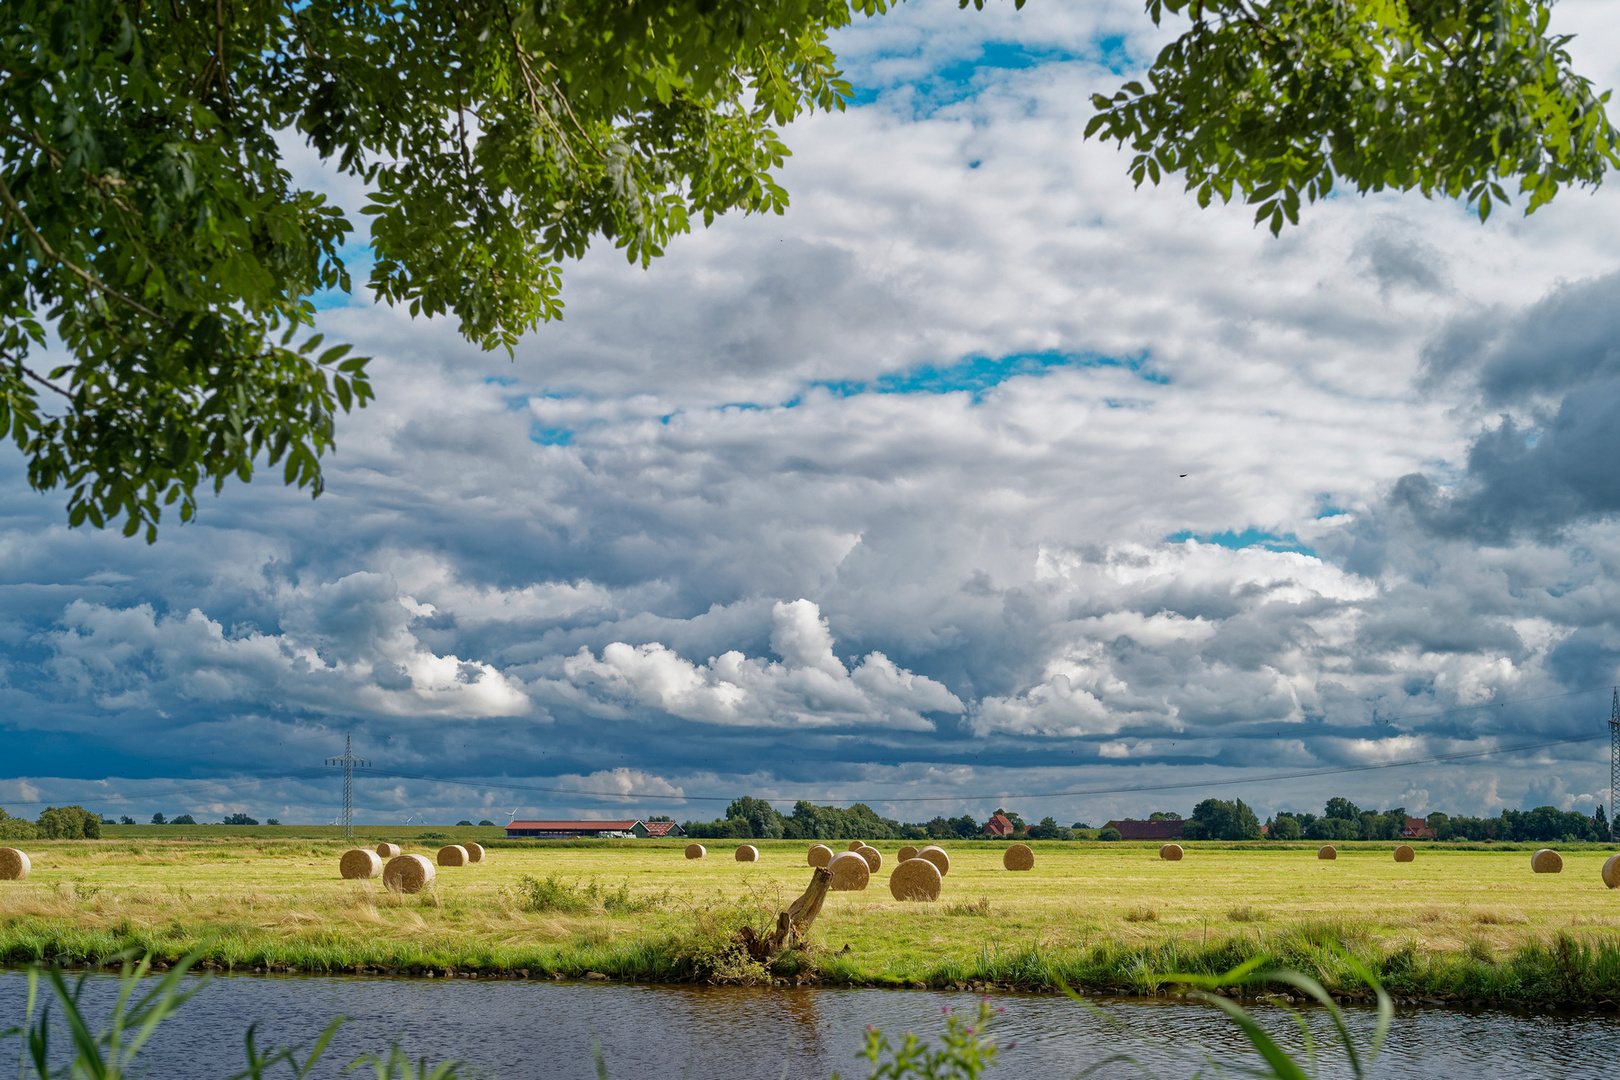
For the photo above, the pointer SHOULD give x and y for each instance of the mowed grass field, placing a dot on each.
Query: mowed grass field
(1454, 923)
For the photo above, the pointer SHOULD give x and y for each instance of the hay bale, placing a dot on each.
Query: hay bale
(915, 879)
(360, 863)
(856, 845)
(819, 855)
(408, 873)
(873, 857)
(907, 852)
(452, 855)
(1547, 861)
(14, 864)
(938, 857)
(849, 872)
(387, 850)
(1327, 851)
(1018, 857)
(748, 853)
(1404, 853)
(475, 852)
(695, 851)
(1170, 853)
(1611, 872)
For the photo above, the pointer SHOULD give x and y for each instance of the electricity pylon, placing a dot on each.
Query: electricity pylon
(1614, 764)
(348, 761)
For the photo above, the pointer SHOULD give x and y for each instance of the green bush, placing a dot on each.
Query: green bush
(1108, 834)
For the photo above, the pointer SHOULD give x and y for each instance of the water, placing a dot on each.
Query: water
(518, 1029)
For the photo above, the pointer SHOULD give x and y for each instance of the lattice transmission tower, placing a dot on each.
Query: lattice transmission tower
(1614, 764)
(349, 762)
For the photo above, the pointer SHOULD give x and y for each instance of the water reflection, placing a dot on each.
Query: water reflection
(540, 1029)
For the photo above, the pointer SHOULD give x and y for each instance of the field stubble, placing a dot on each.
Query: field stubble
(1469, 924)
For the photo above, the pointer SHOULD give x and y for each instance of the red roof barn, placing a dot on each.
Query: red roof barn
(999, 825)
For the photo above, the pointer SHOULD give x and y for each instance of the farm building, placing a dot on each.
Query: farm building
(659, 829)
(1147, 830)
(1417, 828)
(565, 830)
(998, 825)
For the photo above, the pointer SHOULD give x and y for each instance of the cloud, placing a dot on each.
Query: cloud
(809, 688)
(347, 646)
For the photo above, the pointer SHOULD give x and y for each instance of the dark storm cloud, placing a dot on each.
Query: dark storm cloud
(1550, 464)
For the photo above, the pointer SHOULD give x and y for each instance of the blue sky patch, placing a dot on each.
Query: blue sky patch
(1250, 537)
(551, 436)
(979, 374)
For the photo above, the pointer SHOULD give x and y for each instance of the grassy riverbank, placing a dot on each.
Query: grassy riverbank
(1455, 924)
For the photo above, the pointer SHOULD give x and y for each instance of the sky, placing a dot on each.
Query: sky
(979, 478)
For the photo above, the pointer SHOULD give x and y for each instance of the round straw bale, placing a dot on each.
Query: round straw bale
(1404, 853)
(387, 850)
(453, 855)
(748, 853)
(475, 852)
(938, 857)
(1611, 872)
(915, 879)
(1170, 853)
(873, 857)
(907, 852)
(14, 864)
(360, 863)
(1547, 861)
(695, 851)
(849, 872)
(818, 855)
(408, 873)
(1327, 851)
(1018, 857)
(856, 845)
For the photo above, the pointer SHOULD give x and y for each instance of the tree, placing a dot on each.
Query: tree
(240, 819)
(763, 820)
(126, 820)
(1290, 99)
(148, 223)
(157, 819)
(184, 819)
(1221, 820)
(1164, 815)
(68, 823)
(1109, 834)
(1342, 808)
(1283, 827)
(273, 821)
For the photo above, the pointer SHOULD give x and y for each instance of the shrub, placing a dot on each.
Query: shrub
(463, 821)
(486, 821)
(184, 819)
(554, 894)
(1108, 834)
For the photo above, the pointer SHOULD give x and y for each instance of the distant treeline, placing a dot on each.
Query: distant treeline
(748, 818)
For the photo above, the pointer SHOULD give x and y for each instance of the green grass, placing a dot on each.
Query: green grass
(1457, 923)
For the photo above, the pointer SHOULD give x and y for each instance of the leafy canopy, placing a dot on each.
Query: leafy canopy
(159, 258)
(1281, 100)
(147, 219)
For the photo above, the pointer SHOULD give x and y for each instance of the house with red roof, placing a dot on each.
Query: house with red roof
(999, 825)
(1417, 829)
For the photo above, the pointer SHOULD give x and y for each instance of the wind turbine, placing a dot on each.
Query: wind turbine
(513, 815)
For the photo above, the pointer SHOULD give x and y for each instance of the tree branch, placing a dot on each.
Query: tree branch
(84, 275)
